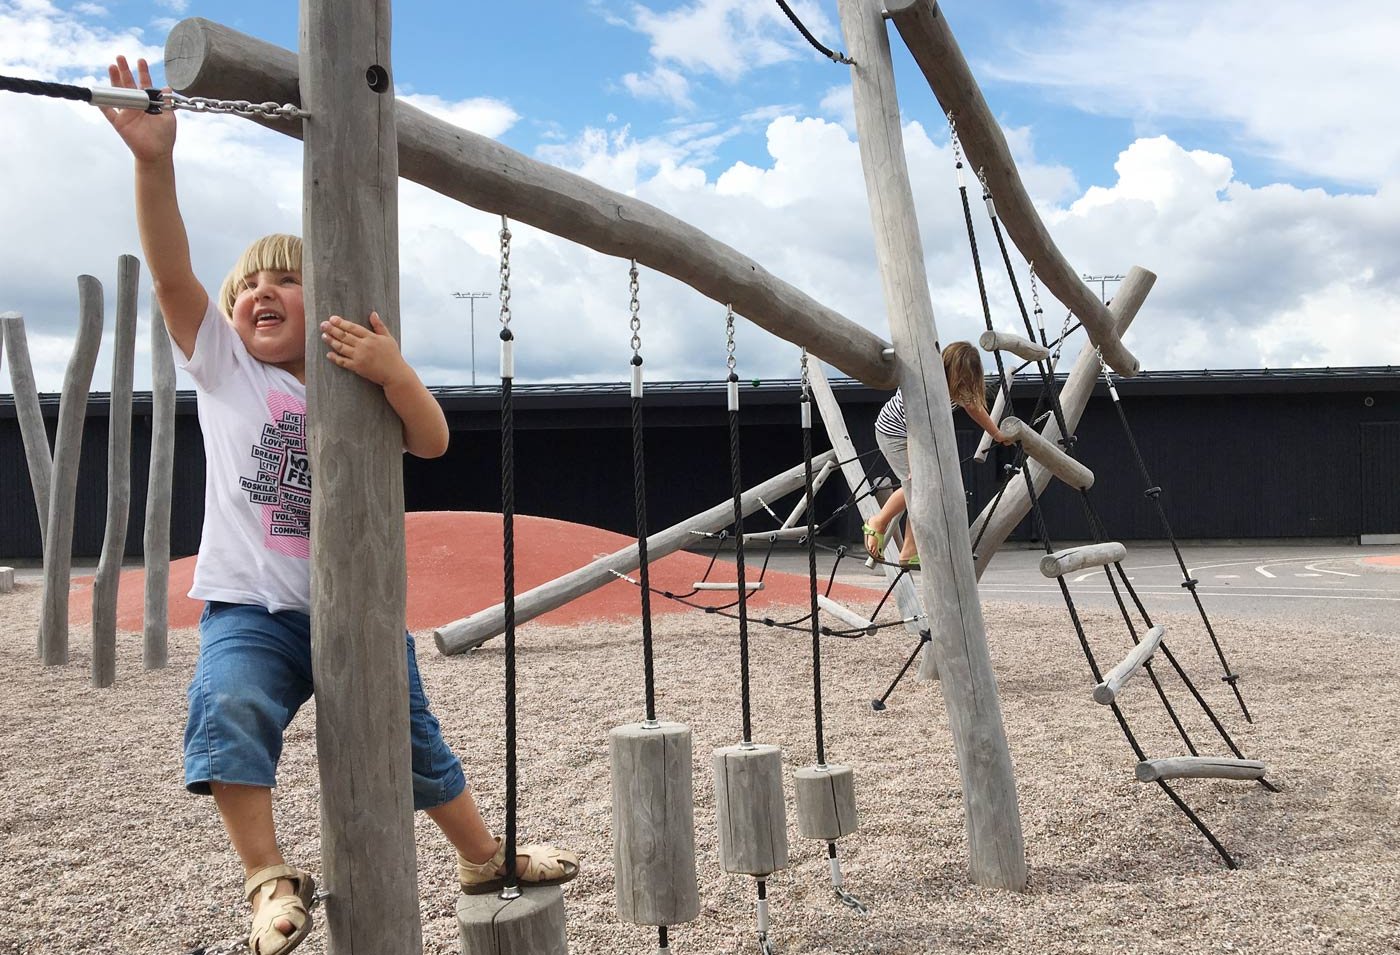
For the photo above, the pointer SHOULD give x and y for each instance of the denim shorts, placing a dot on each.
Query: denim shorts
(254, 673)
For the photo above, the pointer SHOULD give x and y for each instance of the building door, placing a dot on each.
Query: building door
(1380, 482)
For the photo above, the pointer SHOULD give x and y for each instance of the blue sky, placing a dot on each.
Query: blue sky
(1244, 154)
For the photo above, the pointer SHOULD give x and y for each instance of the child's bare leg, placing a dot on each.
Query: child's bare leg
(247, 815)
(893, 507)
(909, 549)
(463, 826)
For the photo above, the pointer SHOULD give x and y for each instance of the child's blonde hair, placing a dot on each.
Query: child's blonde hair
(962, 366)
(271, 253)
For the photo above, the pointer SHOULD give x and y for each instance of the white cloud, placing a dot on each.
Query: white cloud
(1287, 79)
(661, 84)
(481, 114)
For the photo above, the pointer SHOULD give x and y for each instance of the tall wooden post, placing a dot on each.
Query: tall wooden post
(358, 577)
(937, 508)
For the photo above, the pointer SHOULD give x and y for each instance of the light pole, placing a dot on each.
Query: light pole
(471, 298)
(1103, 281)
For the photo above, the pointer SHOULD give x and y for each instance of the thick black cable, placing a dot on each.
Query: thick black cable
(15, 84)
(639, 485)
(508, 604)
(829, 54)
(736, 481)
(812, 579)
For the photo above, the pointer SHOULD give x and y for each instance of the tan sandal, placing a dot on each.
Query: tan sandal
(547, 865)
(264, 938)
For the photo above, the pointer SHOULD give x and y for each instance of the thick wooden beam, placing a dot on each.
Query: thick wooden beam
(31, 420)
(203, 58)
(936, 504)
(925, 31)
(67, 450)
(1002, 517)
(107, 582)
(468, 633)
(358, 576)
(156, 626)
(1199, 767)
(1064, 467)
(1070, 559)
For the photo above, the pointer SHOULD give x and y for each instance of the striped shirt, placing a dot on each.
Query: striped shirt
(891, 421)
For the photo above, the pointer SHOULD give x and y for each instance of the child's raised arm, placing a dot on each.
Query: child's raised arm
(980, 415)
(151, 139)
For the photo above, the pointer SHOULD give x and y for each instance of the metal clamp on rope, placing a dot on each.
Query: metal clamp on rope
(150, 101)
(1190, 583)
(1153, 493)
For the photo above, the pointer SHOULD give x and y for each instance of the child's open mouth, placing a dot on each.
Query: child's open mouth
(264, 320)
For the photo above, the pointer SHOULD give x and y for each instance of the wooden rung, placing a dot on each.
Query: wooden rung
(846, 616)
(1107, 691)
(1056, 461)
(1018, 346)
(1077, 558)
(749, 585)
(1199, 767)
(781, 533)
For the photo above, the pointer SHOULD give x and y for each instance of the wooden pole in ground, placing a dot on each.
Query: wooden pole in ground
(156, 631)
(1001, 517)
(936, 504)
(207, 59)
(68, 446)
(106, 583)
(31, 420)
(358, 576)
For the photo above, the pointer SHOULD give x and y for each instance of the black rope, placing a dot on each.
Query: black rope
(15, 84)
(736, 482)
(812, 578)
(829, 54)
(508, 524)
(639, 484)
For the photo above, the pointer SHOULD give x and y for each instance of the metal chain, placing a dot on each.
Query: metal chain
(635, 308)
(505, 273)
(729, 339)
(953, 138)
(806, 377)
(239, 107)
(1037, 310)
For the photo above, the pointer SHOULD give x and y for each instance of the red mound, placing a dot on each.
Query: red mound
(455, 569)
(1386, 560)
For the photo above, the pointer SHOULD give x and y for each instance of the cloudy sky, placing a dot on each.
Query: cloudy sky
(1245, 152)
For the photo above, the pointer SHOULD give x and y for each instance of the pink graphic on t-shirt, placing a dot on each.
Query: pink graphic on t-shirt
(283, 483)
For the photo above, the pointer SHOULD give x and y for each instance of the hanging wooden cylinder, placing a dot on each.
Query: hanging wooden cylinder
(653, 795)
(826, 802)
(532, 924)
(749, 808)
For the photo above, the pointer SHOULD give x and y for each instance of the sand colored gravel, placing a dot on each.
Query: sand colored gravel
(104, 851)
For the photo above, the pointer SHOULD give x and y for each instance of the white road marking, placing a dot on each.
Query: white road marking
(1227, 576)
(1086, 576)
(1307, 575)
(1324, 570)
(1260, 570)
(1213, 593)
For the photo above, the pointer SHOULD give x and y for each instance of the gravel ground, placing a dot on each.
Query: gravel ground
(105, 852)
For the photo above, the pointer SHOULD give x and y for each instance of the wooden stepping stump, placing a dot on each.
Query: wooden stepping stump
(532, 924)
(7, 579)
(749, 809)
(653, 823)
(826, 802)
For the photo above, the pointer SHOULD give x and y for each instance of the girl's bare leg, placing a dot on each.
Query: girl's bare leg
(247, 816)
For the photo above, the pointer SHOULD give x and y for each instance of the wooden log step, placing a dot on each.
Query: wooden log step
(1077, 558)
(778, 533)
(844, 614)
(749, 585)
(1018, 346)
(1199, 767)
(1055, 460)
(534, 922)
(7, 579)
(1107, 691)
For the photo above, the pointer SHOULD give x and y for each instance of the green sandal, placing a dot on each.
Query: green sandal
(911, 564)
(879, 552)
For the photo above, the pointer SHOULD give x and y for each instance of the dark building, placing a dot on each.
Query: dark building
(1307, 453)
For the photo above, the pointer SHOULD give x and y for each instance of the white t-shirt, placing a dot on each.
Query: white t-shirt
(256, 543)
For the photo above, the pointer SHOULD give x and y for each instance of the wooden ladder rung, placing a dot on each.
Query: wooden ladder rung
(1199, 767)
(1056, 461)
(1077, 558)
(749, 585)
(1018, 346)
(1107, 691)
(845, 615)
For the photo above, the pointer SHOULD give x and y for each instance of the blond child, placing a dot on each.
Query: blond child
(246, 352)
(962, 366)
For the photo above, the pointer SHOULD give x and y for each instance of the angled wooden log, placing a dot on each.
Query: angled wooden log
(1199, 767)
(37, 455)
(467, 633)
(1070, 559)
(801, 507)
(925, 31)
(156, 629)
(937, 507)
(847, 616)
(204, 58)
(1000, 520)
(1015, 344)
(906, 595)
(68, 446)
(1114, 681)
(1064, 467)
(109, 566)
(358, 580)
(984, 443)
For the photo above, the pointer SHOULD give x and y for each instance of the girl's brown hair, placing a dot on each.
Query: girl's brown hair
(962, 366)
(271, 253)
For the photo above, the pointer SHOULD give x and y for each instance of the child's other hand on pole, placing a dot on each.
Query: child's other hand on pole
(370, 352)
(149, 136)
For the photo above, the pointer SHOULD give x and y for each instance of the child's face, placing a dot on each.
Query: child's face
(270, 316)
